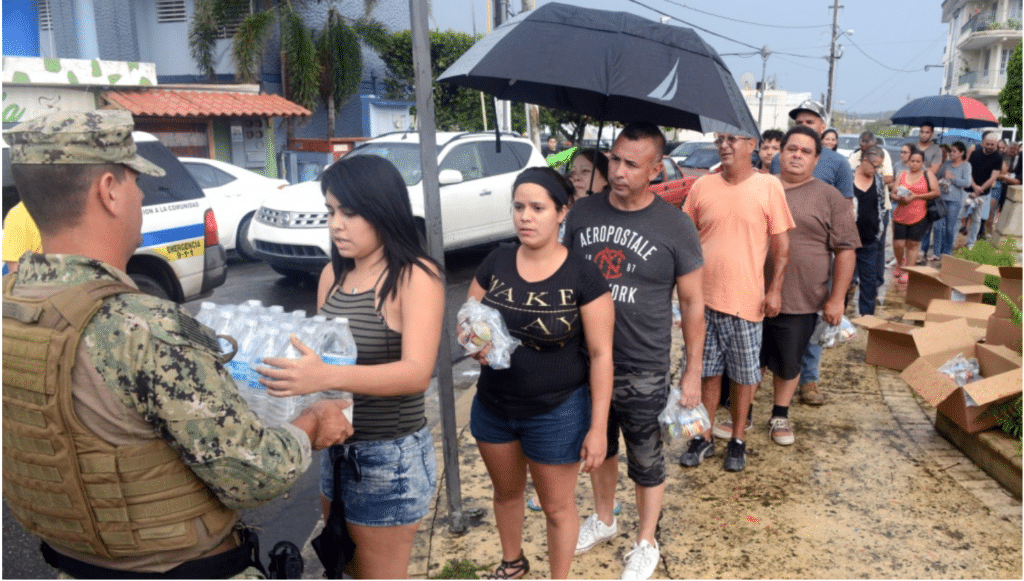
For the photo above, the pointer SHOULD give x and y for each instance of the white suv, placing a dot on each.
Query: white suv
(290, 230)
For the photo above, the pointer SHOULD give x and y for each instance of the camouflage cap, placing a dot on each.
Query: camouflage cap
(76, 137)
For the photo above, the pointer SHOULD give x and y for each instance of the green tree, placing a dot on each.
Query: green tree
(455, 108)
(316, 65)
(1010, 96)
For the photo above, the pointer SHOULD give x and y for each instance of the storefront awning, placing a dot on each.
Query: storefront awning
(174, 103)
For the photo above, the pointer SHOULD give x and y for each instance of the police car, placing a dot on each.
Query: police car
(180, 258)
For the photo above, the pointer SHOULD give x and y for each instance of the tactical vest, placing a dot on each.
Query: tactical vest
(63, 482)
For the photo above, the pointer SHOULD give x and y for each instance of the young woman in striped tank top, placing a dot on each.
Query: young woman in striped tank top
(391, 291)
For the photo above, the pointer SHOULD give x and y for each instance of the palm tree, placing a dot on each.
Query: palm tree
(319, 65)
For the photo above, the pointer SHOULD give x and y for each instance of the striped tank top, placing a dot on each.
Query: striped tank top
(375, 418)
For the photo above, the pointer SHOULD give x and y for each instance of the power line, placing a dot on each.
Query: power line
(722, 36)
(880, 63)
(745, 21)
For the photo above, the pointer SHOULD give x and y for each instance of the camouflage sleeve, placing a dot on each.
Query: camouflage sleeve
(164, 365)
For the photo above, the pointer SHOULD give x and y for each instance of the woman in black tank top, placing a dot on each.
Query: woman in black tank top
(391, 291)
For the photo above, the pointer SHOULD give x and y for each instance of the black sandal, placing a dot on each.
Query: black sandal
(511, 569)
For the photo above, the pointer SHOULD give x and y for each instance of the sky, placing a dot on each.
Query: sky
(897, 36)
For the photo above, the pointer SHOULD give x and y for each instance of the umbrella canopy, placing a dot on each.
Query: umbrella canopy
(960, 134)
(609, 65)
(946, 111)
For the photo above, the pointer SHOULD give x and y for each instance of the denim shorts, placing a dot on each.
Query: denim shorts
(385, 483)
(551, 438)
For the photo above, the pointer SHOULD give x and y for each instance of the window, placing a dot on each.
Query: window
(236, 12)
(465, 159)
(1003, 58)
(44, 15)
(168, 11)
(207, 176)
(511, 159)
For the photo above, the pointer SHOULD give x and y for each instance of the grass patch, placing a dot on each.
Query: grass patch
(464, 569)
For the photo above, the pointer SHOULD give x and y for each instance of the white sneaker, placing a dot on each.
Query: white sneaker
(641, 561)
(594, 532)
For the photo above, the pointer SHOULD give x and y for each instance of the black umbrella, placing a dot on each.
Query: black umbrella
(609, 65)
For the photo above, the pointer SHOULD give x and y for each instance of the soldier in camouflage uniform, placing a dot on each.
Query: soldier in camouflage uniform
(131, 455)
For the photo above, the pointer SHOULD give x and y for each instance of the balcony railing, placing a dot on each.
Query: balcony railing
(986, 22)
(988, 79)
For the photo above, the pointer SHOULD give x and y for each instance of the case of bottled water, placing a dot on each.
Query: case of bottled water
(264, 332)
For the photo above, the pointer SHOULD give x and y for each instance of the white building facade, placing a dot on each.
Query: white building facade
(982, 36)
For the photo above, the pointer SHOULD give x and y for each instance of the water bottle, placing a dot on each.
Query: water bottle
(247, 337)
(225, 323)
(267, 407)
(338, 348)
(207, 313)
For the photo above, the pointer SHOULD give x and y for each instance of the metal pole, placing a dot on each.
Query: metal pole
(502, 109)
(832, 57)
(432, 209)
(764, 84)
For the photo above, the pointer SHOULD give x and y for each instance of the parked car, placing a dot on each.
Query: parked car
(235, 194)
(180, 258)
(290, 231)
(671, 184)
(847, 144)
(683, 150)
(700, 162)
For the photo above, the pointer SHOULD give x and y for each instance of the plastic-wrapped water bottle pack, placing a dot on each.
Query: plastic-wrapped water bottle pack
(261, 332)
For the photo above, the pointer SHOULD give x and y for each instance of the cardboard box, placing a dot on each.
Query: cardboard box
(897, 345)
(1001, 379)
(942, 310)
(958, 280)
(1009, 285)
(1005, 332)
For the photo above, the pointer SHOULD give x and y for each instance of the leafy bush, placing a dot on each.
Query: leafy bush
(985, 253)
(1008, 418)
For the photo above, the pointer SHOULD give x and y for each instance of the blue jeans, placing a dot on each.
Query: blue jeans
(926, 242)
(867, 262)
(979, 213)
(946, 228)
(880, 268)
(811, 360)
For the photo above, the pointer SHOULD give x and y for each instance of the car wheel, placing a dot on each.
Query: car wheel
(150, 286)
(245, 248)
(290, 272)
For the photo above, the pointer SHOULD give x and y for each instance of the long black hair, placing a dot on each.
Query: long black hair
(371, 187)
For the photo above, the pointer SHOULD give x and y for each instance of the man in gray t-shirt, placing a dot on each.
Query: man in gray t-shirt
(932, 151)
(644, 247)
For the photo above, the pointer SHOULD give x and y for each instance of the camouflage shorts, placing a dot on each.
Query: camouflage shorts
(637, 399)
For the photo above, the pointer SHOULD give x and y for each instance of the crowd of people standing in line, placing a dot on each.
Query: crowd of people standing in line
(756, 258)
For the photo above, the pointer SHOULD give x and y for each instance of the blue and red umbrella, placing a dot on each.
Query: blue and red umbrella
(945, 111)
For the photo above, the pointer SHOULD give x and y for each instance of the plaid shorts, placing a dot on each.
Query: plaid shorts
(732, 343)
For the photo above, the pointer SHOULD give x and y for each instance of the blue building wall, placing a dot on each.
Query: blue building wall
(127, 30)
(20, 28)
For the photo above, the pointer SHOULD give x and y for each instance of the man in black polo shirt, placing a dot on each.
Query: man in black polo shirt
(986, 164)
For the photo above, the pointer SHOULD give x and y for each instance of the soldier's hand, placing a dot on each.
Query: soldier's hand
(329, 426)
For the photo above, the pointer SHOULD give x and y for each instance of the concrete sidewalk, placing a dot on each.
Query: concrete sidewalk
(868, 490)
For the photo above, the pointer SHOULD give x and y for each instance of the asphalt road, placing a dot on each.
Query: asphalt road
(294, 515)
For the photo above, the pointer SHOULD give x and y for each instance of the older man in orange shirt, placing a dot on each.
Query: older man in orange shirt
(740, 215)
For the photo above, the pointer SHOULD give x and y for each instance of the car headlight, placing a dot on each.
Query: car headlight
(287, 219)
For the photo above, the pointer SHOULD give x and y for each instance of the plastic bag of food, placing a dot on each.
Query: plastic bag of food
(961, 370)
(832, 335)
(480, 325)
(678, 422)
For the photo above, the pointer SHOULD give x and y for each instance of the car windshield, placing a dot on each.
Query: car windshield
(702, 158)
(685, 149)
(849, 142)
(404, 156)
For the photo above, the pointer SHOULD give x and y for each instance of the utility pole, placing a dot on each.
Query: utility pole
(832, 56)
(532, 111)
(765, 52)
(432, 208)
(502, 109)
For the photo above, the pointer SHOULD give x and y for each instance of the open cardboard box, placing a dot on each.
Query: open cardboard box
(958, 280)
(1003, 332)
(1001, 379)
(897, 345)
